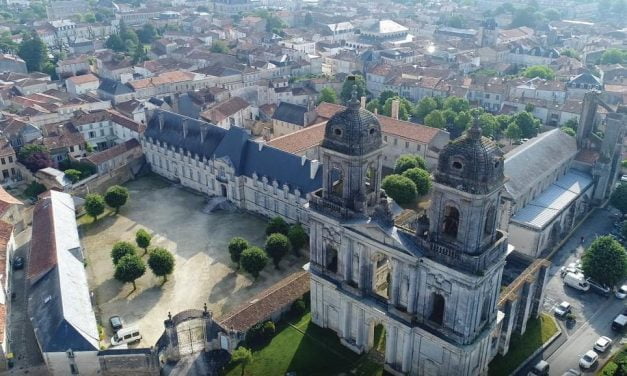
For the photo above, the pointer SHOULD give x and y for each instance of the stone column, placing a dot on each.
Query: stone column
(360, 328)
(395, 280)
(407, 350)
(411, 297)
(390, 346)
(363, 267)
(345, 323)
(345, 257)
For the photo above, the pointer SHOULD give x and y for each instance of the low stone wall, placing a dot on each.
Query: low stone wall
(124, 362)
(99, 184)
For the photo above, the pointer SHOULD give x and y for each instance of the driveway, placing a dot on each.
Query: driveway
(203, 271)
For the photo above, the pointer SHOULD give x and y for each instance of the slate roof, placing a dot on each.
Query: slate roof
(59, 303)
(114, 87)
(525, 164)
(290, 113)
(248, 157)
(558, 196)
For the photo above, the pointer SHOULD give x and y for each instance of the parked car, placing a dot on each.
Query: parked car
(602, 344)
(540, 369)
(126, 335)
(567, 269)
(116, 322)
(588, 360)
(599, 288)
(563, 309)
(619, 323)
(621, 293)
(18, 263)
(623, 178)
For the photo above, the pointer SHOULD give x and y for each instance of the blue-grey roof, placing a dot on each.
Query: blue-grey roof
(187, 107)
(114, 87)
(542, 211)
(247, 157)
(59, 303)
(290, 113)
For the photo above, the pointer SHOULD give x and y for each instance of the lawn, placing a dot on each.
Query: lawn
(308, 350)
(521, 347)
(616, 365)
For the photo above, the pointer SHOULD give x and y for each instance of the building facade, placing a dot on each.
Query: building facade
(434, 289)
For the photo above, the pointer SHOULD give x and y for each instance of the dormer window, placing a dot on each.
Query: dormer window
(337, 131)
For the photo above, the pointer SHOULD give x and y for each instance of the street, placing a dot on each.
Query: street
(594, 313)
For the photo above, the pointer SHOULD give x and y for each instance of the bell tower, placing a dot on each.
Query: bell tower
(351, 154)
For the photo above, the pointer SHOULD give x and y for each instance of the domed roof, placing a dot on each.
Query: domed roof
(471, 163)
(353, 131)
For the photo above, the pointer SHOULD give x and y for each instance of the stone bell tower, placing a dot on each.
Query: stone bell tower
(351, 154)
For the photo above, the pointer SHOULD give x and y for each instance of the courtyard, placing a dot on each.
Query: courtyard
(203, 272)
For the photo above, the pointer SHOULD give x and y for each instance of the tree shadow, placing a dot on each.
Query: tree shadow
(108, 290)
(223, 288)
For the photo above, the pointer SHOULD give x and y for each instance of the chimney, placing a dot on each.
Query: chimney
(363, 102)
(184, 128)
(303, 159)
(376, 111)
(395, 108)
(314, 168)
(160, 121)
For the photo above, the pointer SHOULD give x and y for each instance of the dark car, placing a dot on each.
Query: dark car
(116, 322)
(18, 263)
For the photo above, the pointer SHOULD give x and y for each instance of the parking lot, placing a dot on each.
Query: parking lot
(203, 271)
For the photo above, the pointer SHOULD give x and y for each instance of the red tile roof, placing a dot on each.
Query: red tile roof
(269, 301)
(42, 254)
(5, 236)
(113, 152)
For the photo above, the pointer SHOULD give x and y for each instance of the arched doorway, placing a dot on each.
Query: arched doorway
(377, 342)
(451, 221)
(438, 304)
(331, 259)
(223, 190)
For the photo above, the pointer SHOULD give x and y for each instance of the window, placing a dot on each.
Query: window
(418, 147)
(73, 369)
(5, 174)
(451, 221)
(3, 161)
(12, 171)
(406, 144)
(385, 138)
(395, 141)
(437, 308)
(102, 133)
(92, 134)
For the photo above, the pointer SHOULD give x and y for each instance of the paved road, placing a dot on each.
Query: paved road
(594, 313)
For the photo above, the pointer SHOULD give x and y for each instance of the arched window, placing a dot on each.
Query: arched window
(331, 259)
(371, 178)
(451, 221)
(336, 181)
(485, 310)
(488, 228)
(437, 308)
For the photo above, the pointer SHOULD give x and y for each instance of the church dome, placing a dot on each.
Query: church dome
(471, 163)
(353, 131)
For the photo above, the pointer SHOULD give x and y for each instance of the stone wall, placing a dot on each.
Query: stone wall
(124, 362)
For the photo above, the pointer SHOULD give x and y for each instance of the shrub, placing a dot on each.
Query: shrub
(268, 329)
(253, 260)
(408, 161)
(34, 189)
(116, 196)
(161, 262)
(421, 178)
(277, 246)
(609, 369)
(237, 245)
(94, 205)
(142, 238)
(277, 225)
(260, 333)
(298, 237)
(298, 307)
(121, 249)
(73, 175)
(400, 188)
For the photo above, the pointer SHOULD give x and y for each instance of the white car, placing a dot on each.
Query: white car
(563, 309)
(602, 344)
(621, 293)
(623, 178)
(588, 359)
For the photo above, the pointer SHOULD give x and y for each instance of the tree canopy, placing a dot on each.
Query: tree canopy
(424, 107)
(277, 225)
(94, 205)
(527, 123)
(237, 245)
(298, 237)
(34, 52)
(513, 132)
(242, 356)
(400, 188)
(614, 56)
(541, 71)
(435, 119)
(253, 260)
(347, 89)
(605, 261)
(219, 46)
(148, 33)
(116, 196)
(409, 161)
(277, 246)
(143, 238)
(129, 268)
(161, 262)
(121, 249)
(618, 199)
(327, 95)
(421, 178)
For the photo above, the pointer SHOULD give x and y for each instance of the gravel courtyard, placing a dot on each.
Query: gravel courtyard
(203, 271)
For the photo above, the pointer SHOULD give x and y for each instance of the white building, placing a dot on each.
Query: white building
(77, 85)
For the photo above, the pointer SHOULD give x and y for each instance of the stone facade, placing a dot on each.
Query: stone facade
(434, 288)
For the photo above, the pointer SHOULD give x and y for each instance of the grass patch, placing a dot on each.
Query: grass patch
(316, 352)
(521, 347)
(616, 365)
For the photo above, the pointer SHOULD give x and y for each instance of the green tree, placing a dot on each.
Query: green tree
(161, 262)
(73, 175)
(462, 122)
(435, 119)
(147, 34)
(373, 105)
(94, 205)
(618, 199)
(528, 124)
(127, 34)
(356, 81)
(277, 246)
(400, 188)
(614, 56)
(7, 45)
(456, 21)
(541, 71)
(116, 196)
(327, 95)
(424, 107)
(89, 18)
(503, 121)
(121, 249)
(385, 95)
(139, 54)
(489, 125)
(220, 47)
(298, 237)
(34, 52)
(421, 178)
(623, 229)
(237, 245)
(129, 268)
(569, 52)
(524, 17)
(404, 108)
(115, 43)
(513, 132)
(605, 261)
(456, 104)
(568, 131)
(572, 124)
(143, 238)
(253, 260)
(242, 356)
(409, 161)
(277, 225)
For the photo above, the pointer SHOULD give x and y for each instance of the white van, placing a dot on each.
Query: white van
(576, 281)
(126, 335)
